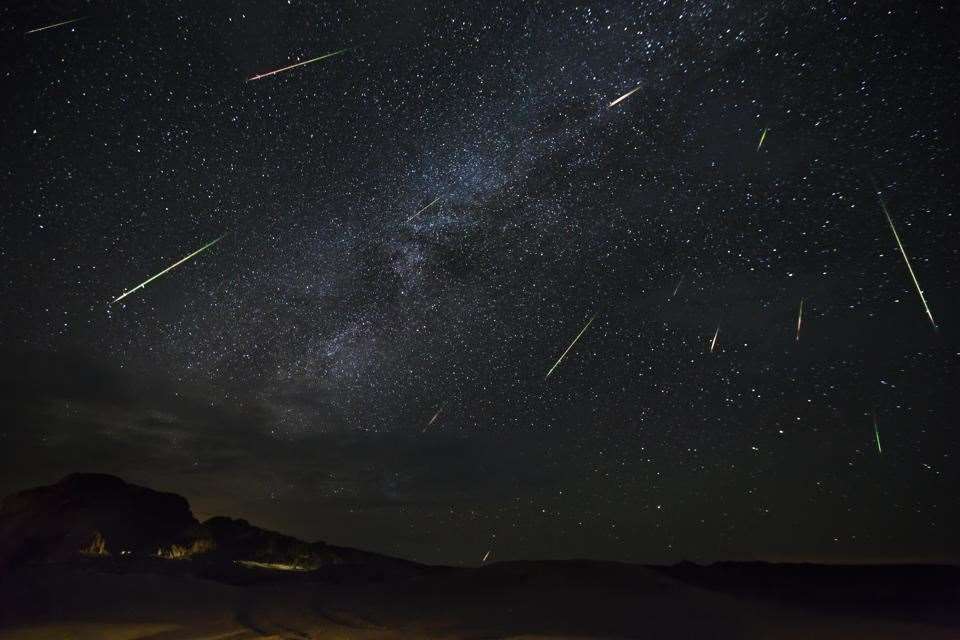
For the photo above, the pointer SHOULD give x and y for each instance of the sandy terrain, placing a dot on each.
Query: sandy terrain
(524, 600)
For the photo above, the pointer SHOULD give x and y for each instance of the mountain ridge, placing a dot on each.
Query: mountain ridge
(95, 515)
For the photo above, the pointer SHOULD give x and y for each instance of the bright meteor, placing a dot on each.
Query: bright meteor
(906, 260)
(294, 66)
(876, 433)
(799, 319)
(170, 268)
(564, 354)
(624, 96)
(485, 556)
(713, 342)
(58, 24)
(763, 136)
(436, 200)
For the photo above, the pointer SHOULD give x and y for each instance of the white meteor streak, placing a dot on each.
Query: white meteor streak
(713, 342)
(485, 556)
(624, 96)
(58, 24)
(799, 319)
(677, 288)
(906, 260)
(294, 66)
(564, 354)
(433, 419)
(436, 200)
(170, 268)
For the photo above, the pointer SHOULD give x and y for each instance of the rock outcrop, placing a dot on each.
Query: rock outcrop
(91, 517)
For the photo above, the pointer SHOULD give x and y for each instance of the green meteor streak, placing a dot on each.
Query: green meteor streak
(876, 433)
(170, 268)
(564, 354)
(763, 136)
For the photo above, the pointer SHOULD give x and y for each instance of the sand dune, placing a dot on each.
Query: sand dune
(523, 600)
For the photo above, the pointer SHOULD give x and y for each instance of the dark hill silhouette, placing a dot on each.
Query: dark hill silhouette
(97, 516)
(92, 514)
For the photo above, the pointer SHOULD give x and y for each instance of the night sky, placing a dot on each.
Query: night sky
(288, 373)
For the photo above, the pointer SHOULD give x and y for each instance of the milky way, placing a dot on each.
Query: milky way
(422, 223)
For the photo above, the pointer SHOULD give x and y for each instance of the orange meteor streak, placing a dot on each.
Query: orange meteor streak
(294, 66)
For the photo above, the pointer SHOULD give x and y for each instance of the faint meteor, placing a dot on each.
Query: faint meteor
(435, 201)
(294, 66)
(677, 288)
(713, 342)
(485, 556)
(799, 319)
(876, 433)
(433, 419)
(624, 96)
(170, 268)
(763, 136)
(564, 354)
(58, 24)
(903, 252)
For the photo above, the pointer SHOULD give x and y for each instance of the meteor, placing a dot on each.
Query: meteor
(713, 342)
(624, 96)
(170, 268)
(799, 319)
(58, 24)
(677, 288)
(564, 354)
(906, 260)
(294, 66)
(876, 433)
(433, 419)
(485, 556)
(763, 136)
(436, 200)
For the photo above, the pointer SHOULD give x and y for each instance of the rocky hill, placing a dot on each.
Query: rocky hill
(96, 516)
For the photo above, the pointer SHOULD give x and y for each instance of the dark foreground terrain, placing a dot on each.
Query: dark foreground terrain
(95, 558)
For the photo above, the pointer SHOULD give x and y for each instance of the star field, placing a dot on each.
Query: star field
(288, 373)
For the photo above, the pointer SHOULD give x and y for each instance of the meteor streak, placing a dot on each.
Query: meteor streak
(485, 556)
(906, 260)
(763, 136)
(433, 419)
(713, 342)
(58, 24)
(799, 319)
(564, 354)
(436, 200)
(677, 288)
(294, 66)
(170, 268)
(624, 96)
(876, 433)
